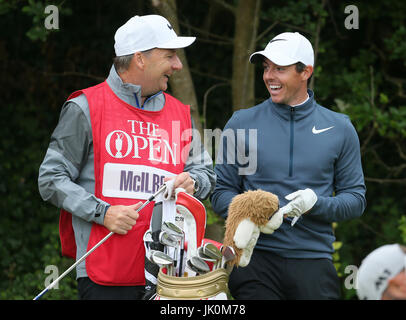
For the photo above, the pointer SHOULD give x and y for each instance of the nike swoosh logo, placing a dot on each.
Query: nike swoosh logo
(315, 131)
(276, 40)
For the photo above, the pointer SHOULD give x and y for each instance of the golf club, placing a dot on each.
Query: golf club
(210, 261)
(50, 286)
(147, 236)
(210, 250)
(198, 265)
(162, 260)
(168, 239)
(205, 257)
(171, 243)
(228, 255)
(175, 230)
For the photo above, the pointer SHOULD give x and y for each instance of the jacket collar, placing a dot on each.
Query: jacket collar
(131, 93)
(301, 111)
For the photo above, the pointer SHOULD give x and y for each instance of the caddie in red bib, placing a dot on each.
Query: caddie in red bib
(134, 150)
(115, 144)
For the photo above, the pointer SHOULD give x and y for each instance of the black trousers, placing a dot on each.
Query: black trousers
(271, 277)
(88, 290)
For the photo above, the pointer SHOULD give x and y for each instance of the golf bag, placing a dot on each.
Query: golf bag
(177, 235)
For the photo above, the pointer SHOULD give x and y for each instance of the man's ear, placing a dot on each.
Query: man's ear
(307, 72)
(139, 60)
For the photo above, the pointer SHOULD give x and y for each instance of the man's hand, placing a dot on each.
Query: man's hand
(182, 180)
(301, 202)
(120, 219)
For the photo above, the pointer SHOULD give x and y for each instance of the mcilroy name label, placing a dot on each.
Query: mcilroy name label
(132, 181)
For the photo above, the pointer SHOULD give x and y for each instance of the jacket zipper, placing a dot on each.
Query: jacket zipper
(138, 102)
(292, 138)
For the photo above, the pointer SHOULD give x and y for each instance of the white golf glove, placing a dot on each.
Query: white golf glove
(301, 201)
(247, 233)
(170, 184)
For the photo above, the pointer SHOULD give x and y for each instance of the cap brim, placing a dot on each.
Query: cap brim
(275, 57)
(177, 43)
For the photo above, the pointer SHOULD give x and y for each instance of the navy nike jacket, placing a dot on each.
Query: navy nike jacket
(282, 149)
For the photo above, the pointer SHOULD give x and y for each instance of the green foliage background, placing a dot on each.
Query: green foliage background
(359, 72)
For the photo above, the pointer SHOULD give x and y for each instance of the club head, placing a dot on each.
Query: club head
(210, 250)
(201, 254)
(149, 253)
(147, 236)
(228, 255)
(168, 239)
(161, 259)
(173, 228)
(198, 265)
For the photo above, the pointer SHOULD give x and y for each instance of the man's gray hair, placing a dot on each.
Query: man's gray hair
(122, 63)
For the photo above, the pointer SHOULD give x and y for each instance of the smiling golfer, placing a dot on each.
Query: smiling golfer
(309, 156)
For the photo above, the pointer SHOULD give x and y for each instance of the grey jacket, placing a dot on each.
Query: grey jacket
(66, 175)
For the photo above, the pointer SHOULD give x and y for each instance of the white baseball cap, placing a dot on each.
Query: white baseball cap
(287, 48)
(142, 33)
(377, 269)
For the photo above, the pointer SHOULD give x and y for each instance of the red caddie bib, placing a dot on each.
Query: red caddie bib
(134, 150)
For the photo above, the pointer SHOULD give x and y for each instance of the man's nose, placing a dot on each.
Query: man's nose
(177, 64)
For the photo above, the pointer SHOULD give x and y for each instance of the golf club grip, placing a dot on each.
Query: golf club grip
(156, 218)
(156, 226)
(182, 252)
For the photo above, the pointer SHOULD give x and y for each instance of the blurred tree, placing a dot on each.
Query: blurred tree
(181, 82)
(247, 14)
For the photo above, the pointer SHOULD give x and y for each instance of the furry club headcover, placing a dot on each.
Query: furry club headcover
(256, 205)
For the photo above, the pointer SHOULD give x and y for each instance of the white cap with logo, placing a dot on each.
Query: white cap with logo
(377, 269)
(142, 33)
(287, 48)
